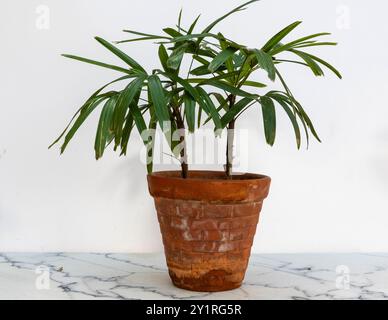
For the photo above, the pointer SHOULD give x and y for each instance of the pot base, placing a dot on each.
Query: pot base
(210, 282)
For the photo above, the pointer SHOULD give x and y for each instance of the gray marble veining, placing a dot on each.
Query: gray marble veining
(144, 276)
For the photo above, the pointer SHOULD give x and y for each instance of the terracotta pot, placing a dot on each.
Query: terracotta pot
(208, 224)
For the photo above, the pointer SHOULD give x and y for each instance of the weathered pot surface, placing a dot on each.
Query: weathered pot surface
(208, 224)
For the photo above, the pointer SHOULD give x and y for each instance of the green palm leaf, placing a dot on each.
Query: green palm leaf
(237, 108)
(163, 57)
(265, 62)
(269, 118)
(97, 63)
(221, 58)
(172, 32)
(254, 84)
(280, 100)
(191, 29)
(86, 105)
(291, 44)
(159, 100)
(315, 68)
(82, 117)
(239, 8)
(208, 106)
(227, 87)
(145, 34)
(104, 125)
(128, 126)
(175, 59)
(326, 64)
(189, 103)
(271, 43)
(123, 56)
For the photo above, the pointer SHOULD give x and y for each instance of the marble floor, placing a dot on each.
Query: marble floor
(144, 276)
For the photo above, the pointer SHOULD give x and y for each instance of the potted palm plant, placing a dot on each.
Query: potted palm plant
(207, 219)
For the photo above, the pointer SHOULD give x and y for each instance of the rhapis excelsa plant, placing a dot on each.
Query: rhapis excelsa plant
(218, 83)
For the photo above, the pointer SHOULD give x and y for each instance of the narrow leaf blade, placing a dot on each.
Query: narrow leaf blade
(239, 8)
(159, 100)
(189, 103)
(271, 43)
(269, 118)
(290, 115)
(237, 108)
(97, 63)
(265, 61)
(221, 58)
(103, 128)
(123, 56)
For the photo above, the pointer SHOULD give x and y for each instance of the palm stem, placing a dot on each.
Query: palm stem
(230, 140)
(181, 126)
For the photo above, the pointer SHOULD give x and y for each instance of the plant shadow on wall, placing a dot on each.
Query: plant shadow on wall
(208, 219)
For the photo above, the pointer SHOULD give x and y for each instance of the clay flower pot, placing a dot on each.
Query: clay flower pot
(208, 224)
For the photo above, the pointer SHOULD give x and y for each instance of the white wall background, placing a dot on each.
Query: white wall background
(333, 197)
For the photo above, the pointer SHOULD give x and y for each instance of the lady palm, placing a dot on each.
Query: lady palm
(218, 83)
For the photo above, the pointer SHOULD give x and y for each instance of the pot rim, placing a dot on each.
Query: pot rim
(201, 187)
(208, 175)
